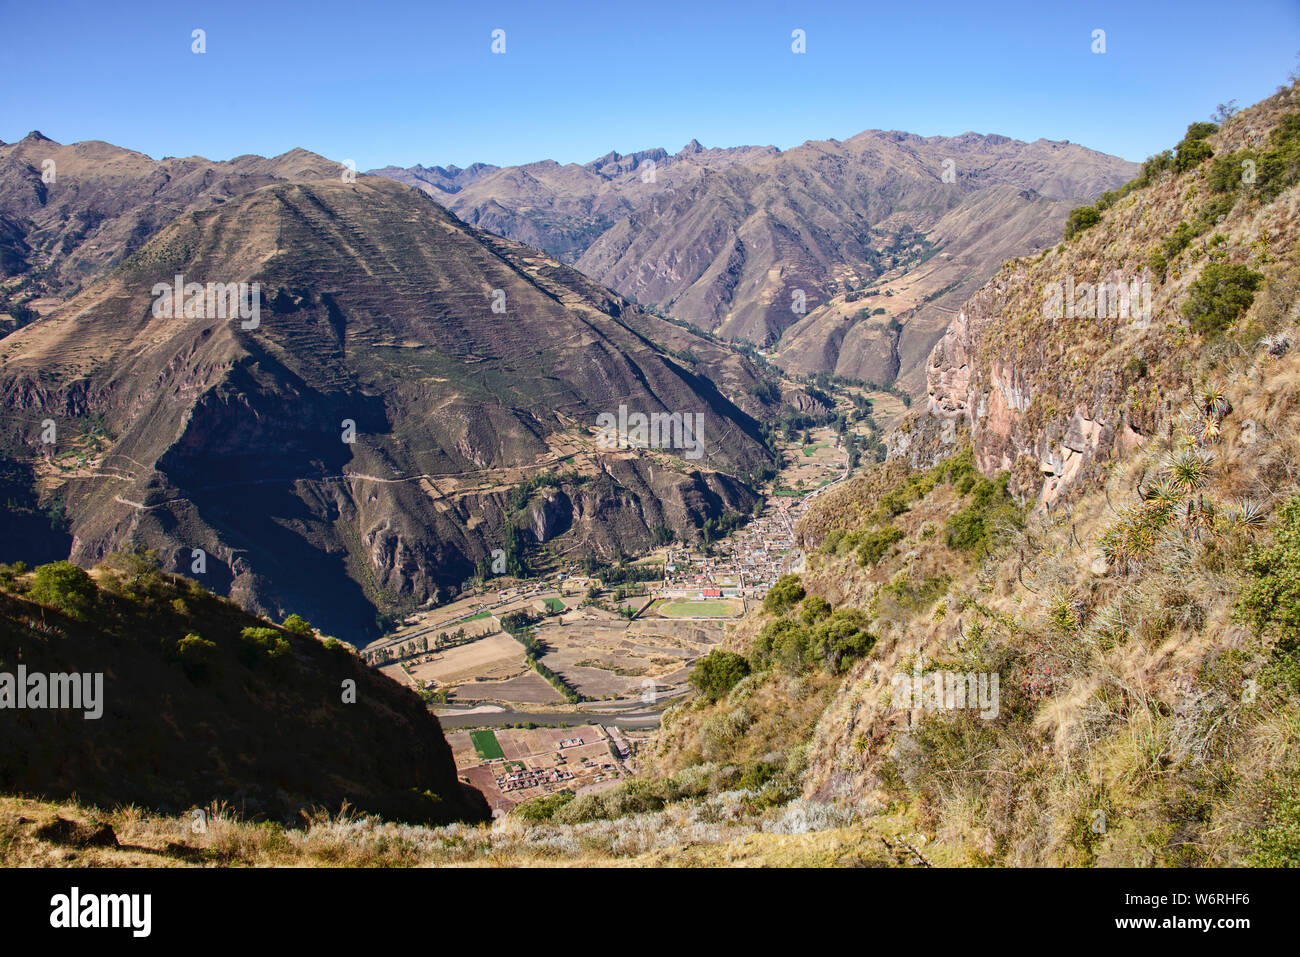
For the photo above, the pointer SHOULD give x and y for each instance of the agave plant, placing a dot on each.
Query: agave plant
(1214, 402)
(1161, 497)
(1277, 344)
(1251, 516)
(1189, 471)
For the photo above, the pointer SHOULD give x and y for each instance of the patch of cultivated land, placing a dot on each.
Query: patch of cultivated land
(496, 656)
(528, 763)
(810, 466)
(526, 688)
(590, 656)
(486, 745)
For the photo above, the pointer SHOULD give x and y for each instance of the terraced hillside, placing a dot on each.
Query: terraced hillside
(474, 429)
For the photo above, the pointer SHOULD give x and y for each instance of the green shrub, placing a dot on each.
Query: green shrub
(1080, 219)
(64, 586)
(973, 529)
(1277, 843)
(1271, 602)
(913, 595)
(814, 609)
(1279, 165)
(842, 639)
(717, 673)
(199, 658)
(297, 625)
(835, 641)
(787, 592)
(1219, 296)
(1155, 166)
(1193, 150)
(1226, 171)
(262, 644)
(543, 808)
(876, 543)
(781, 642)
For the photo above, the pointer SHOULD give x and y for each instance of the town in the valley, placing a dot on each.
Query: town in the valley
(551, 683)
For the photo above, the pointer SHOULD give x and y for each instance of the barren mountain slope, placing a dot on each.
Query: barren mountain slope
(724, 238)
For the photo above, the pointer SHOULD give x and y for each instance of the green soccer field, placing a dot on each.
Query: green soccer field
(697, 609)
(486, 744)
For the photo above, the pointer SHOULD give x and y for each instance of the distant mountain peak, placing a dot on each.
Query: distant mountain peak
(691, 148)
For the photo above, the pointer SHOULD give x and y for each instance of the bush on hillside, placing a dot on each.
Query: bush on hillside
(876, 543)
(1271, 602)
(717, 673)
(64, 586)
(1080, 219)
(1193, 150)
(262, 644)
(787, 591)
(974, 528)
(199, 658)
(815, 608)
(297, 625)
(1219, 297)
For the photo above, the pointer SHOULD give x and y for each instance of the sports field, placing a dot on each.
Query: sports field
(699, 609)
(485, 743)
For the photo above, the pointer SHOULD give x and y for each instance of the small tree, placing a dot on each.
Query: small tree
(717, 673)
(64, 586)
(297, 625)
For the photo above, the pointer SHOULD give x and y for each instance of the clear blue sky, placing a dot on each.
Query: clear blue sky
(416, 82)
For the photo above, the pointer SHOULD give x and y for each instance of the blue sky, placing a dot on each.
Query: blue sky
(405, 83)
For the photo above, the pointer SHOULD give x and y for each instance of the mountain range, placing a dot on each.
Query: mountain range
(420, 390)
(380, 430)
(843, 256)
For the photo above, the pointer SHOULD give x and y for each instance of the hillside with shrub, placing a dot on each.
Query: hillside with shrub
(1100, 510)
(205, 705)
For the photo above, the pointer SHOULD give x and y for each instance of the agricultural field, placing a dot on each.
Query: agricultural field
(608, 660)
(519, 764)
(813, 465)
(495, 657)
(486, 745)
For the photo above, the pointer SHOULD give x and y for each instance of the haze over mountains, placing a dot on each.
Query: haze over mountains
(723, 238)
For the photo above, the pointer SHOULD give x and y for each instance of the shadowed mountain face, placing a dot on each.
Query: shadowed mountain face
(378, 428)
(753, 241)
(188, 711)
